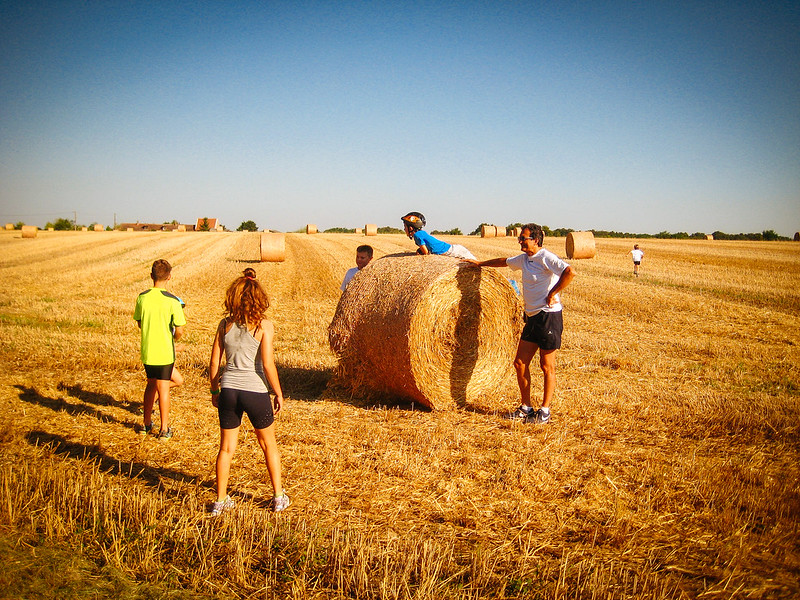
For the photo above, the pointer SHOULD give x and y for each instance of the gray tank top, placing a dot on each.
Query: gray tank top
(243, 368)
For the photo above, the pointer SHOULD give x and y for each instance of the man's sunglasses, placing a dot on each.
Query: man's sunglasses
(522, 238)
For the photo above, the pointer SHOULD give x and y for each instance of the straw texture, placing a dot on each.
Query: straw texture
(273, 247)
(30, 231)
(430, 329)
(488, 231)
(580, 244)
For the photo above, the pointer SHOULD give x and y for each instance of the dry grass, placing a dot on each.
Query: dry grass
(670, 470)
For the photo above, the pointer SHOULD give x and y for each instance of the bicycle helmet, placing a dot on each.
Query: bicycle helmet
(415, 220)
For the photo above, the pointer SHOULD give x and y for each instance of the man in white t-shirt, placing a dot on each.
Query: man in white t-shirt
(363, 256)
(637, 258)
(544, 275)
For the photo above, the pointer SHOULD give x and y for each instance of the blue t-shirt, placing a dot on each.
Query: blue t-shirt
(434, 246)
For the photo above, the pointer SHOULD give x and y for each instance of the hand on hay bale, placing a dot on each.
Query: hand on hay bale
(430, 329)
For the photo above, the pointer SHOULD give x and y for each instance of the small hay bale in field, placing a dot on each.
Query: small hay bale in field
(430, 329)
(500, 231)
(797, 236)
(9, 226)
(98, 227)
(370, 229)
(517, 231)
(273, 247)
(51, 229)
(311, 228)
(580, 244)
(488, 231)
(181, 228)
(129, 229)
(709, 237)
(359, 230)
(84, 228)
(30, 231)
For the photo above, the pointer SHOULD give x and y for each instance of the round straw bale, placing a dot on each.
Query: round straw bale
(51, 229)
(430, 329)
(9, 226)
(488, 231)
(273, 247)
(500, 231)
(98, 227)
(580, 244)
(129, 229)
(797, 236)
(517, 231)
(311, 228)
(709, 237)
(181, 227)
(370, 229)
(30, 231)
(359, 230)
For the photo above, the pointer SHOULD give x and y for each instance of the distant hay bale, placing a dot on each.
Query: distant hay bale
(130, 229)
(181, 228)
(517, 231)
(370, 229)
(51, 229)
(273, 247)
(500, 231)
(9, 226)
(488, 231)
(311, 228)
(98, 227)
(580, 244)
(797, 236)
(84, 228)
(359, 230)
(709, 237)
(430, 329)
(30, 231)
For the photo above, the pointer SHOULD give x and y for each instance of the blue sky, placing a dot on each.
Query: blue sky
(638, 117)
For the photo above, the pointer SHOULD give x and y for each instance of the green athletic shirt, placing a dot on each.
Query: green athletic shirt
(158, 312)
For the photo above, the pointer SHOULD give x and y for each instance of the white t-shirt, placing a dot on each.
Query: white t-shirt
(637, 255)
(348, 276)
(540, 274)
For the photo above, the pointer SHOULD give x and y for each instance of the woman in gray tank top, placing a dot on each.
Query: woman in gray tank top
(244, 339)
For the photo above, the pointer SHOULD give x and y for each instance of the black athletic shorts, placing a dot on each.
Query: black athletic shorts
(544, 329)
(637, 262)
(163, 372)
(233, 403)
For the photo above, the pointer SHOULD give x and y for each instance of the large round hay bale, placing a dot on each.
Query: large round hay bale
(311, 228)
(580, 244)
(430, 329)
(500, 231)
(488, 231)
(30, 231)
(370, 229)
(273, 247)
(9, 226)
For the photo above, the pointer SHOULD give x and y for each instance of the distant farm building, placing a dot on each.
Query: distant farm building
(154, 227)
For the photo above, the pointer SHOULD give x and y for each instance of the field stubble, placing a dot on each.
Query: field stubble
(670, 470)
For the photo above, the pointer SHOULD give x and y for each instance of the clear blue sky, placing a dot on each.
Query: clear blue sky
(629, 116)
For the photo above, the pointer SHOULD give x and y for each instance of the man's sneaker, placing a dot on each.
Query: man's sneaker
(145, 429)
(538, 417)
(163, 436)
(280, 503)
(519, 414)
(220, 507)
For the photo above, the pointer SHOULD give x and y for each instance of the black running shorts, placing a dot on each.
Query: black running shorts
(233, 403)
(162, 372)
(544, 329)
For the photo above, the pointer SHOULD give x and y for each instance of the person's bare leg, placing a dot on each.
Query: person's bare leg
(163, 385)
(150, 392)
(547, 361)
(272, 456)
(228, 439)
(522, 366)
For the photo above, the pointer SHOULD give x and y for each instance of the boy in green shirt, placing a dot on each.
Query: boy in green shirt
(160, 318)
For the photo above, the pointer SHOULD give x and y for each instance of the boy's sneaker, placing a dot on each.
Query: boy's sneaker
(538, 417)
(519, 414)
(163, 436)
(145, 429)
(220, 507)
(280, 503)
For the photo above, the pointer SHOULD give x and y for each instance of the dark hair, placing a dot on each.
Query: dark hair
(160, 270)
(366, 249)
(246, 301)
(537, 233)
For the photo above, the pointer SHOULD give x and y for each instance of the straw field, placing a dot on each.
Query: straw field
(670, 469)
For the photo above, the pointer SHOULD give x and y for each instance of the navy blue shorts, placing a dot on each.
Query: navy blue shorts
(233, 403)
(162, 372)
(544, 329)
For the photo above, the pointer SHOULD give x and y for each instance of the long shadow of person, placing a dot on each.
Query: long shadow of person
(465, 351)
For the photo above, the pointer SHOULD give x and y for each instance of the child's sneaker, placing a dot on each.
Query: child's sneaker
(145, 429)
(163, 436)
(538, 417)
(220, 507)
(519, 414)
(280, 503)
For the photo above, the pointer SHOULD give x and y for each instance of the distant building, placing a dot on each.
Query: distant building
(212, 224)
(154, 226)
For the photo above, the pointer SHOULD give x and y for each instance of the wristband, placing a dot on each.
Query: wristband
(214, 392)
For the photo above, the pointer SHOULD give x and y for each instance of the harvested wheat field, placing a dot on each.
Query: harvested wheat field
(670, 468)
